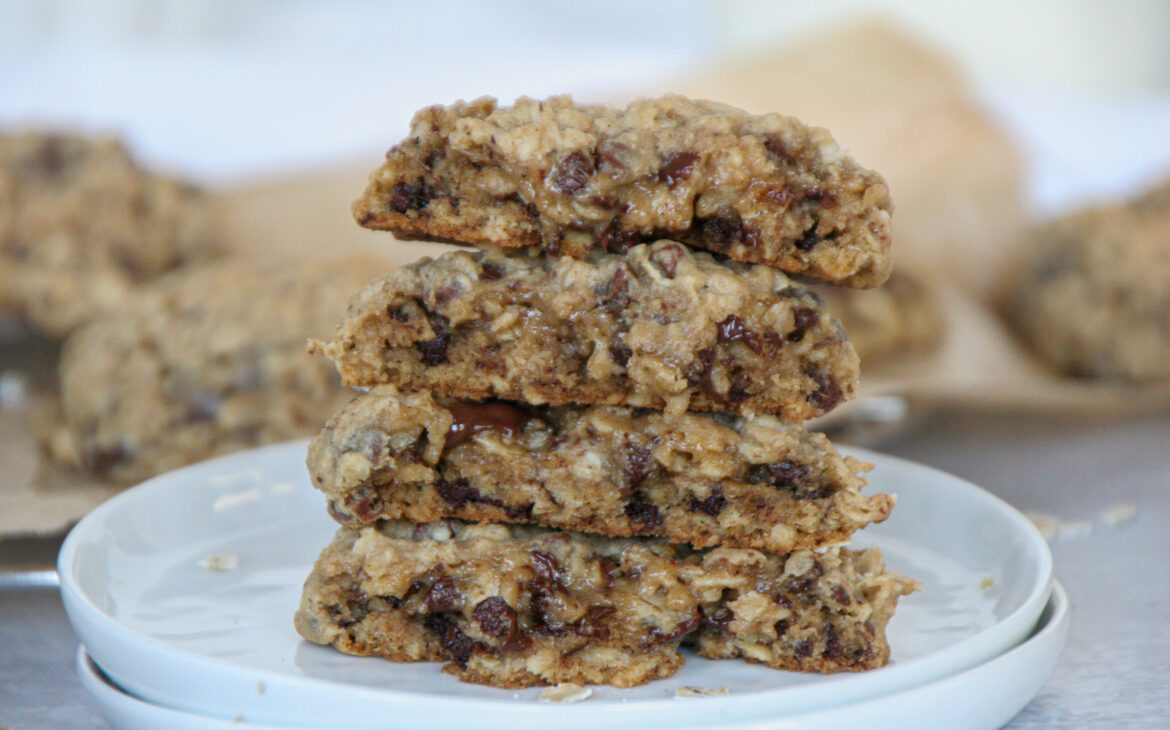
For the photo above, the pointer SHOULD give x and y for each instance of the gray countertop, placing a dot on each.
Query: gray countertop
(1114, 669)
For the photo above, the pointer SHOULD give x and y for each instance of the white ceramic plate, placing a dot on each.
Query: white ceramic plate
(980, 698)
(221, 643)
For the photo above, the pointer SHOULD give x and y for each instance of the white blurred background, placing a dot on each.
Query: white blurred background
(230, 89)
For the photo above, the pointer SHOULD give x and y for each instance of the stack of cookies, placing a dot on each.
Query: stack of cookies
(581, 444)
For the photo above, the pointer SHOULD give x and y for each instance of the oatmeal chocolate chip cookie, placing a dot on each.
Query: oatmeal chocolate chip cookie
(703, 479)
(81, 224)
(1093, 297)
(571, 178)
(901, 316)
(204, 361)
(658, 326)
(515, 606)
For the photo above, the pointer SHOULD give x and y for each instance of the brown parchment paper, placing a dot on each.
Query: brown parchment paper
(901, 108)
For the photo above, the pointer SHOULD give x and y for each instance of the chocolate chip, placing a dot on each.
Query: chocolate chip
(443, 596)
(666, 259)
(840, 595)
(804, 648)
(619, 352)
(491, 271)
(616, 240)
(637, 463)
(810, 238)
(791, 476)
(101, 460)
(459, 493)
(828, 393)
(804, 319)
(498, 620)
(434, 351)
(776, 149)
(458, 644)
(712, 505)
(781, 627)
(405, 197)
(700, 368)
(616, 294)
(643, 512)
(732, 329)
(721, 618)
(678, 632)
(677, 168)
(448, 292)
(833, 648)
(571, 175)
(398, 313)
(720, 232)
(546, 566)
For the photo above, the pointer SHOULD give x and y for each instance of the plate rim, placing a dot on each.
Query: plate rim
(1052, 626)
(86, 617)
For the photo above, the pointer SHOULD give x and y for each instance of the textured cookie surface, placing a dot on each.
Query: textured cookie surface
(1093, 297)
(81, 224)
(205, 361)
(702, 479)
(515, 606)
(571, 177)
(658, 326)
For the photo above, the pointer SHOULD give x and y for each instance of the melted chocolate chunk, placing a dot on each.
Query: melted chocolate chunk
(643, 512)
(498, 620)
(721, 232)
(616, 293)
(700, 368)
(732, 329)
(459, 493)
(810, 239)
(833, 648)
(677, 168)
(571, 175)
(546, 566)
(840, 595)
(405, 197)
(684, 628)
(804, 648)
(472, 418)
(719, 619)
(491, 271)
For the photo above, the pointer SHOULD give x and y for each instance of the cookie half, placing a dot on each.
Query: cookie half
(702, 479)
(571, 178)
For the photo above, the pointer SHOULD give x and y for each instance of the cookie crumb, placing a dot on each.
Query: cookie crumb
(1119, 513)
(565, 692)
(986, 584)
(221, 563)
(1057, 529)
(683, 693)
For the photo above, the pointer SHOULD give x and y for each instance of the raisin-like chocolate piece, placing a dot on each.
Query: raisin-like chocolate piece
(810, 239)
(571, 175)
(546, 566)
(498, 620)
(833, 648)
(684, 628)
(720, 618)
(840, 595)
(803, 319)
(616, 293)
(491, 271)
(677, 168)
(448, 292)
(700, 368)
(804, 648)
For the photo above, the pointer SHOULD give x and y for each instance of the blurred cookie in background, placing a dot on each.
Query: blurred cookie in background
(82, 224)
(901, 317)
(203, 362)
(1092, 295)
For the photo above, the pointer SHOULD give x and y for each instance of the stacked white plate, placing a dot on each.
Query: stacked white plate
(183, 589)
